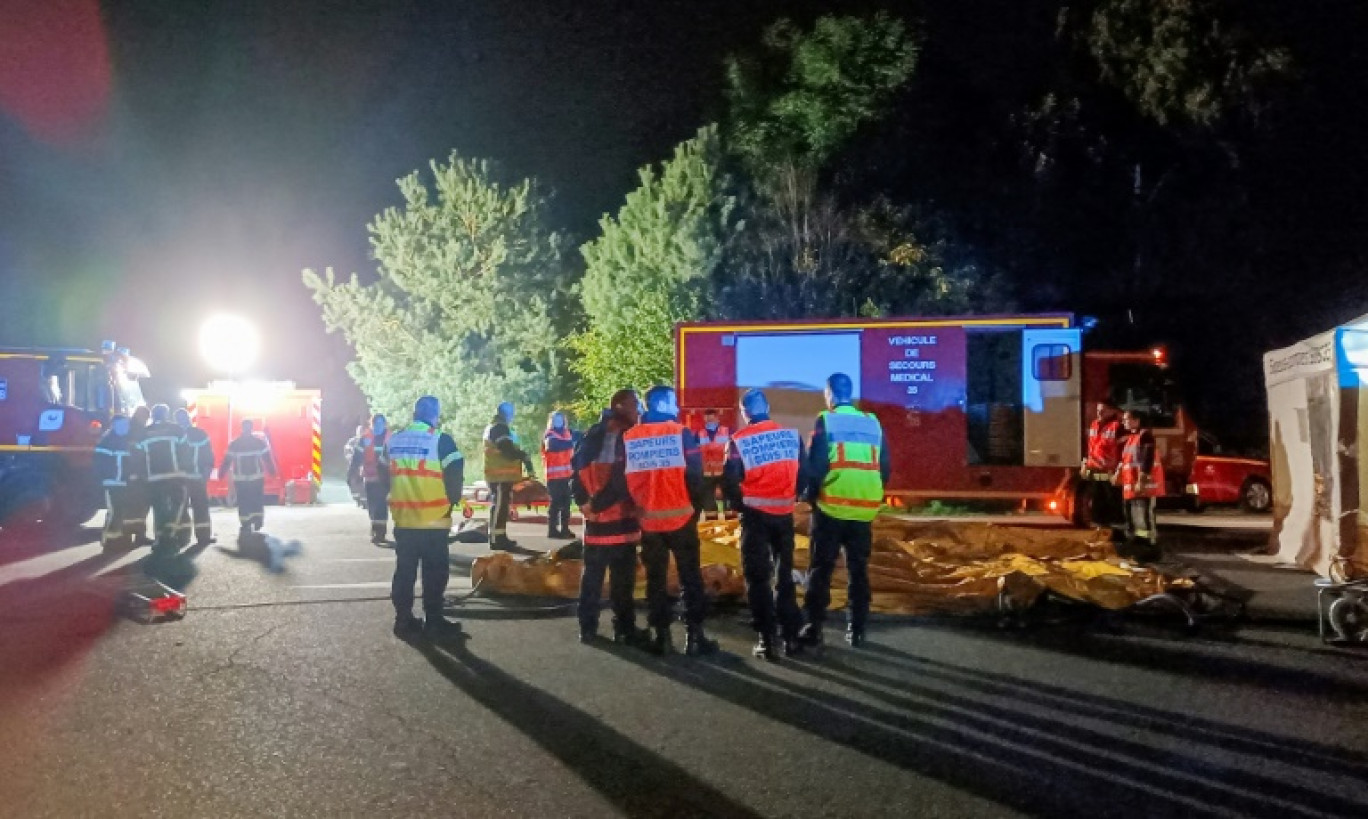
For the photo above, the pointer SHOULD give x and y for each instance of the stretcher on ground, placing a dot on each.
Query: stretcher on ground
(531, 499)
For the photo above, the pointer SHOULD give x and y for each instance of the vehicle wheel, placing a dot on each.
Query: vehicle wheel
(1256, 496)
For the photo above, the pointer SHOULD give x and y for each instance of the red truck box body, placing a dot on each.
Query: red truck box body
(991, 407)
(289, 417)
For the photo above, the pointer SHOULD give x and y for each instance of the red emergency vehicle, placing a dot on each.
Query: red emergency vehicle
(974, 407)
(54, 404)
(290, 418)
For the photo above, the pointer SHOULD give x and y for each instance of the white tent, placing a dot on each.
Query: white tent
(1317, 415)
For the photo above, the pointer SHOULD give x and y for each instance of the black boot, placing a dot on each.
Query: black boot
(697, 643)
(630, 635)
(855, 636)
(589, 634)
(764, 648)
(660, 643)
(810, 635)
(792, 647)
(503, 544)
(407, 626)
(436, 627)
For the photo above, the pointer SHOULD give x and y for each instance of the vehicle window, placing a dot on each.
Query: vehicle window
(1145, 388)
(1051, 362)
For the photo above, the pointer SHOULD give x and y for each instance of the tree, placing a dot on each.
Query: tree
(812, 249)
(469, 276)
(651, 267)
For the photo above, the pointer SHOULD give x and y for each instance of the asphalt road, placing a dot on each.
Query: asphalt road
(284, 694)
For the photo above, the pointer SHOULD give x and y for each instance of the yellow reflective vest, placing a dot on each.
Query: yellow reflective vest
(418, 498)
(853, 486)
(499, 468)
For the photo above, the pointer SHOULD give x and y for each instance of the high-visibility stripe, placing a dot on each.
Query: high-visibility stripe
(655, 514)
(420, 504)
(858, 504)
(316, 415)
(452, 458)
(854, 465)
(417, 472)
(767, 503)
(612, 540)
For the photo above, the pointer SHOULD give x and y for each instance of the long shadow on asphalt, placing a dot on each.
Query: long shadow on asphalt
(1181, 658)
(636, 779)
(1041, 766)
(877, 662)
(1189, 772)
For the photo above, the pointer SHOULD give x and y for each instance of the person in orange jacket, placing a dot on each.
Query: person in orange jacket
(1104, 454)
(557, 450)
(1141, 477)
(713, 441)
(763, 475)
(665, 479)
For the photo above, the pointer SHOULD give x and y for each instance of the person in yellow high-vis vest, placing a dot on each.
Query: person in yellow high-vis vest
(426, 474)
(848, 465)
(504, 462)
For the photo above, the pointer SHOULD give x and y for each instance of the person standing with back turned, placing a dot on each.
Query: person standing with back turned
(249, 460)
(763, 473)
(426, 475)
(665, 479)
(848, 466)
(503, 467)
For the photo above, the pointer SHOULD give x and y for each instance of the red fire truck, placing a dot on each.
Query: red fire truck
(289, 417)
(54, 403)
(981, 407)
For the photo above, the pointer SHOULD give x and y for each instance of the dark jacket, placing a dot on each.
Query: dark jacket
(201, 450)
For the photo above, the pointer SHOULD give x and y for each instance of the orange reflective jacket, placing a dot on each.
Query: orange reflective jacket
(655, 475)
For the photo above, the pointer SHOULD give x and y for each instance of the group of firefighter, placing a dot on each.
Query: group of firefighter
(642, 480)
(159, 461)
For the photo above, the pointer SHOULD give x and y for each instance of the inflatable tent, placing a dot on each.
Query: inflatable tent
(1318, 414)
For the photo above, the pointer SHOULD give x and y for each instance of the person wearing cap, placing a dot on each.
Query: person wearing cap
(198, 471)
(848, 466)
(763, 474)
(504, 464)
(427, 472)
(166, 459)
(665, 481)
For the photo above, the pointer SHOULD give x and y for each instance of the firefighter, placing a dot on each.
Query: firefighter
(426, 474)
(249, 460)
(847, 468)
(713, 440)
(1104, 453)
(115, 464)
(665, 480)
(138, 493)
(370, 466)
(503, 467)
(557, 450)
(763, 474)
(354, 482)
(197, 474)
(1141, 477)
(166, 457)
(611, 528)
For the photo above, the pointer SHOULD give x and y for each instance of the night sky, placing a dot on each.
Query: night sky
(162, 160)
(176, 158)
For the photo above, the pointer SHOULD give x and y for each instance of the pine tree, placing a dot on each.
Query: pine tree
(469, 304)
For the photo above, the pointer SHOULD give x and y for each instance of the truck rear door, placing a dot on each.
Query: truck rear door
(1052, 381)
